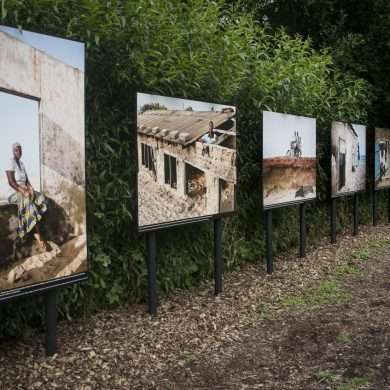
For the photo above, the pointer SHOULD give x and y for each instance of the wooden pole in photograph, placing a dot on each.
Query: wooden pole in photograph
(51, 322)
(268, 232)
(302, 235)
(355, 214)
(152, 272)
(333, 220)
(218, 256)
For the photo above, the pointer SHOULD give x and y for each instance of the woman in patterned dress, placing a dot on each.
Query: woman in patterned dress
(31, 204)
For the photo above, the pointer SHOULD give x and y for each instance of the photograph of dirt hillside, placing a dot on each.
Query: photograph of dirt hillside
(289, 159)
(186, 160)
(42, 160)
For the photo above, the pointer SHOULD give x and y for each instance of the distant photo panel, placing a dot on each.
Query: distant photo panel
(43, 235)
(289, 159)
(186, 160)
(348, 158)
(382, 158)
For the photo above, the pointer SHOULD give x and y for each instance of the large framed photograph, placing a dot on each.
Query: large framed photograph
(348, 158)
(43, 232)
(289, 159)
(382, 156)
(186, 160)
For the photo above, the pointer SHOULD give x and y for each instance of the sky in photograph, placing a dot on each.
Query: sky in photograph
(19, 123)
(361, 132)
(65, 50)
(278, 132)
(176, 103)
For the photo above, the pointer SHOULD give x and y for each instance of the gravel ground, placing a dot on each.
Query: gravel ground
(265, 331)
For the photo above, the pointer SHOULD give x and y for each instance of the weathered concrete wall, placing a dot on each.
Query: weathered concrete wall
(219, 161)
(216, 162)
(60, 90)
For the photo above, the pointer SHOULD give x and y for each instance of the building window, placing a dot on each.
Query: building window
(170, 170)
(147, 157)
(195, 181)
(143, 154)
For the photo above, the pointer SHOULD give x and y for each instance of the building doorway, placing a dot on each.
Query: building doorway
(19, 124)
(342, 163)
(226, 196)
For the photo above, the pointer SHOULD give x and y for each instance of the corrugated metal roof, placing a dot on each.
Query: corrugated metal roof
(180, 126)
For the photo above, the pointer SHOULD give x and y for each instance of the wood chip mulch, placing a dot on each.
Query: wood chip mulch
(202, 342)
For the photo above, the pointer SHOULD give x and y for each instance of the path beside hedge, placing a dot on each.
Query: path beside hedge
(322, 322)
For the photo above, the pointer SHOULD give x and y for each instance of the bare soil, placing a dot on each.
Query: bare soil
(322, 322)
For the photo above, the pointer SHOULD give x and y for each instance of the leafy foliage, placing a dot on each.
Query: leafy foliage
(206, 50)
(357, 33)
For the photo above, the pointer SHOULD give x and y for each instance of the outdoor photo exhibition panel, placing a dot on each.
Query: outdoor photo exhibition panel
(348, 158)
(43, 235)
(381, 169)
(382, 158)
(186, 160)
(288, 170)
(289, 159)
(348, 168)
(186, 172)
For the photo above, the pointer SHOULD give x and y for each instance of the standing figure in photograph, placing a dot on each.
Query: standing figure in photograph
(295, 146)
(209, 138)
(31, 204)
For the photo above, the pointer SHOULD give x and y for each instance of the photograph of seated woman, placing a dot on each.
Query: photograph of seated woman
(31, 204)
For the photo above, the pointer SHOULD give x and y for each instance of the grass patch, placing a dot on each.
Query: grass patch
(329, 292)
(361, 253)
(330, 378)
(327, 376)
(348, 269)
(264, 312)
(355, 384)
(187, 356)
(344, 338)
(370, 249)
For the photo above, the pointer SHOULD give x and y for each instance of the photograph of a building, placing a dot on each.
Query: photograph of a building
(382, 155)
(43, 235)
(289, 159)
(186, 159)
(348, 158)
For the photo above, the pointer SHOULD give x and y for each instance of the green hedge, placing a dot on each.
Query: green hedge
(197, 49)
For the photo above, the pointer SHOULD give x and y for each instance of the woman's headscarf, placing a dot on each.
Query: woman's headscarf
(16, 145)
